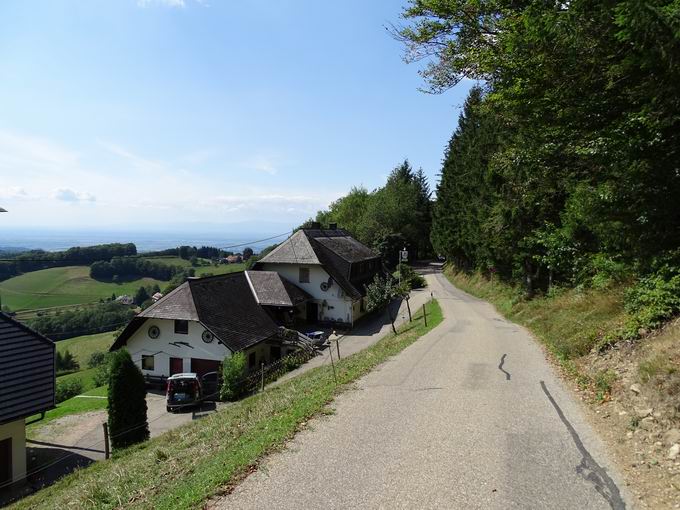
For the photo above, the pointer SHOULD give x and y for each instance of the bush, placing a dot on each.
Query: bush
(102, 362)
(127, 402)
(653, 299)
(233, 372)
(607, 271)
(68, 389)
(97, 358)
(409, 277)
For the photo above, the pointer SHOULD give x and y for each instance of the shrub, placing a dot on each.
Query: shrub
(409, 277)
(233, 372)
(97, 358)
(607, 271)
(127, 402)
(653, 299)
(68, 389)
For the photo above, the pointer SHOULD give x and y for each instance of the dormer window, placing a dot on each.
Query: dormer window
(181, 327)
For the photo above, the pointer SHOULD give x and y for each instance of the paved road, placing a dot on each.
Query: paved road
(470, 416)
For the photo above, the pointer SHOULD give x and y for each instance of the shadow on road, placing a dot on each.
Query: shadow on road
(45, 465)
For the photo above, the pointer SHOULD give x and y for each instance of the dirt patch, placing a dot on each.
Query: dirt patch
(636, 410)
(69, 430)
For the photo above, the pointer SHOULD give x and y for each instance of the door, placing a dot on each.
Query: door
(203, 366)
(5, 461)
(176, 366)
(312, 311)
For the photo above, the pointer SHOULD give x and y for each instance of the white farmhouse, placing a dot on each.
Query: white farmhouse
(204, 320)
(331, 266)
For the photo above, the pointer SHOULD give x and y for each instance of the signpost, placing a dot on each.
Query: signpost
(403, 257)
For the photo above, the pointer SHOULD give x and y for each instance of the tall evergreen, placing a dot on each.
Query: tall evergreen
(126, 402)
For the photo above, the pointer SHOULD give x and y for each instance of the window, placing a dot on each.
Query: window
(252, 360)
(147, 362)
(304, 275)
(182, 327)
(275, 352)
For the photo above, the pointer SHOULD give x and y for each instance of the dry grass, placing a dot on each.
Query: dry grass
(659, 369)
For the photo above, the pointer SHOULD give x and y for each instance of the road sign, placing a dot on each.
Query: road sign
(403, 255)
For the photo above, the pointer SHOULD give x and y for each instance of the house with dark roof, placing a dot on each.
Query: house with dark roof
(331, 266)
(204, 320)
(27, 387)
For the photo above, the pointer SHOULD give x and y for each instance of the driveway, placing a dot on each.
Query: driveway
(469, 416)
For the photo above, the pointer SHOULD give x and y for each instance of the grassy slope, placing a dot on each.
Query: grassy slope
(82, 347)
(200, 270)
(62, 286)
(183, 467)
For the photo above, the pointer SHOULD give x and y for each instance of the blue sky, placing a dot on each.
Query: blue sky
(142, 114)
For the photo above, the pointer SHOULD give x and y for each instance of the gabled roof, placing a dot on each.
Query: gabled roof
(334, 249)
(178, 304)
(225, 304)
(27, 371)
(270, 289)
(297, 249)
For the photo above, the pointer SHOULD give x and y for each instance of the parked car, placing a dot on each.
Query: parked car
(318, 337)
(183, 390)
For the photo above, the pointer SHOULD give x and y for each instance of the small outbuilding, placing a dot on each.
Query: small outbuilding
(27, 388)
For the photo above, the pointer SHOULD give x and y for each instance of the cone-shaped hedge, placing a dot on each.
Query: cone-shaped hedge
(127, 402)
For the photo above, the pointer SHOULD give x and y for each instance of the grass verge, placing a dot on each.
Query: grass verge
(185, 466)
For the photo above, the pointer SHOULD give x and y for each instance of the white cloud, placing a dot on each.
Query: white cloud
(69, 195)
(13, 192)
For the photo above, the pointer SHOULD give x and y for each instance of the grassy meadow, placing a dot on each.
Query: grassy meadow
(200, 270)
(82, 347)
(61, 286)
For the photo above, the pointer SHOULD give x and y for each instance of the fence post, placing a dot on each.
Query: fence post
(262, 370)
(424, 314)
(330, 352)
(408, 306)
(107, 452)
(337, 345)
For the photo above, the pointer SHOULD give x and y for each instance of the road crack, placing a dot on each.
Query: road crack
(500, 367)
(589, 469)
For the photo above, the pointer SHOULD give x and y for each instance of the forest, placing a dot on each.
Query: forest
(564, 167)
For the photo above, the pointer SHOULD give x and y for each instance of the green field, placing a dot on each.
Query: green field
(200, 270)
(82, 348)
(61, 286)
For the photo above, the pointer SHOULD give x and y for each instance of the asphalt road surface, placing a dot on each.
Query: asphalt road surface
(470, 416)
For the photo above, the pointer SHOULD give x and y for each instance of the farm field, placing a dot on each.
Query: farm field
(82, 347)
(200, 270)
(61, 286)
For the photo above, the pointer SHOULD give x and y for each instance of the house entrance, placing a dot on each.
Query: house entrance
(176, 366)
(312, 311)
(5, 461)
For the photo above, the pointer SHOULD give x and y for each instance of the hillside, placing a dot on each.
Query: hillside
(59, 286)
(201, 270)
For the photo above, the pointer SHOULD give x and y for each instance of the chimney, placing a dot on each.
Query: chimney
(332, 226)
(316, 225)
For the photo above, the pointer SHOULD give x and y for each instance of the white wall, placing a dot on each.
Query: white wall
(16, 430)
(339, 305)
(140, 343)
